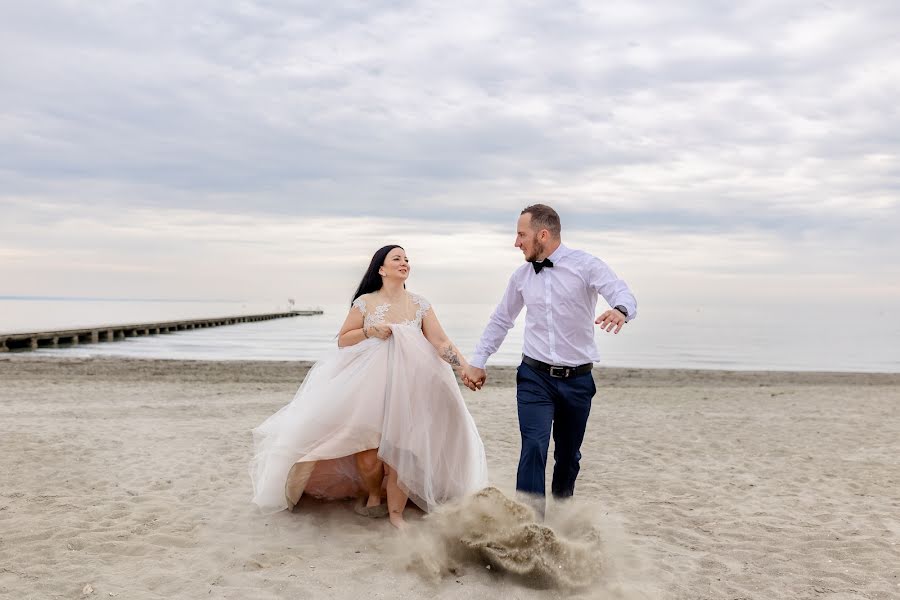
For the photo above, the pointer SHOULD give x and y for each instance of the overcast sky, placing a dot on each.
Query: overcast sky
(710, 151)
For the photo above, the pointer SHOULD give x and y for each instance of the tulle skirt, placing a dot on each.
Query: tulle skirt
(395, 395)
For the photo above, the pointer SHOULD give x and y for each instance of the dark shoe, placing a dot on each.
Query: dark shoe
(373, 512)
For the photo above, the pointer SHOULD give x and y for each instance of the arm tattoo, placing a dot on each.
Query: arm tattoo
(450, 355)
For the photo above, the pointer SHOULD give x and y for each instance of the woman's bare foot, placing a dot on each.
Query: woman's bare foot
(397, 520)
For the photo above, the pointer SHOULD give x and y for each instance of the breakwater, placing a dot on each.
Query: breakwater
(111, 333)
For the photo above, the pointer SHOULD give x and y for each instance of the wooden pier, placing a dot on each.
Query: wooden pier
(111, 333)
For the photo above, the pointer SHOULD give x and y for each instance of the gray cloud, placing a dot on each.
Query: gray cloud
(702, 116)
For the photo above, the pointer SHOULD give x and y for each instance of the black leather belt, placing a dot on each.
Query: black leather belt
(554, 371)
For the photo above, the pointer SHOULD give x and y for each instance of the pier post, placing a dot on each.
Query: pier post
(95, 337)
(34, 343)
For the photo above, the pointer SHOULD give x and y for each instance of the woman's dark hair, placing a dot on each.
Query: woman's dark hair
(371, 281)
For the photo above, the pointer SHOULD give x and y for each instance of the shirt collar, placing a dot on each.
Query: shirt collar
(558, 253)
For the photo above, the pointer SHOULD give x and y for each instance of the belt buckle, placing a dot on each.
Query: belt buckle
(558, 372)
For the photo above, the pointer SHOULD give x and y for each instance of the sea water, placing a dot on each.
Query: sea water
(670, 337)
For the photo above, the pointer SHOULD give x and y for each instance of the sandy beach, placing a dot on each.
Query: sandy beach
(128, 478)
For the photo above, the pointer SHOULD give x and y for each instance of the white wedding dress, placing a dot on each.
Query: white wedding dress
(396, 395)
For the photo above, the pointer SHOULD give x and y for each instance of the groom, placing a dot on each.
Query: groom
(554, 387)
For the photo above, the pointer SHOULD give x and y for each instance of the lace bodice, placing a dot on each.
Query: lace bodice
(393, 314)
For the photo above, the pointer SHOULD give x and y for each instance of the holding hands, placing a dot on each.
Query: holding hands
(473, 377)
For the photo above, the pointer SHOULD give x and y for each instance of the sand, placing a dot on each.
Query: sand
(128, 478)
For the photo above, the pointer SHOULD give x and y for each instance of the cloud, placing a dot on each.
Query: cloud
(719, 122)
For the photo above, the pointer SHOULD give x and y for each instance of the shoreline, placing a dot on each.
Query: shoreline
(498, 376)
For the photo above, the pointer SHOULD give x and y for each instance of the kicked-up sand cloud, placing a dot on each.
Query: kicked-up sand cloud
(490, 530)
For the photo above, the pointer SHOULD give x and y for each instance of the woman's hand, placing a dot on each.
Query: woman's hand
(382, 332)
(473, 377)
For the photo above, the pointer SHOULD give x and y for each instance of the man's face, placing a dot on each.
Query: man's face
(527, 239)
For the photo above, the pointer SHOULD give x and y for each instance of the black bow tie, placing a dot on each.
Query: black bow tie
(540, 265)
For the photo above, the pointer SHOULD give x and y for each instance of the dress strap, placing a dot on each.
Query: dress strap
(423, 304)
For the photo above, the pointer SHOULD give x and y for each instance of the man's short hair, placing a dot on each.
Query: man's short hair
(544, 217)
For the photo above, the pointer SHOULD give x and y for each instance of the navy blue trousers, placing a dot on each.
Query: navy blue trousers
(562, 405)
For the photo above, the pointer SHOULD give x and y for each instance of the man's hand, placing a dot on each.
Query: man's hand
(611, 320)
(468, 382)
(474, 377)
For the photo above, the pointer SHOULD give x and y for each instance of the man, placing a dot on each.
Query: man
(554, 387)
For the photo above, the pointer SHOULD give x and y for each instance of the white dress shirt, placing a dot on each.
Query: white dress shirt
(561, 302)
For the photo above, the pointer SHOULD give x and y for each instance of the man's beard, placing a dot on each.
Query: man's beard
(537, 248)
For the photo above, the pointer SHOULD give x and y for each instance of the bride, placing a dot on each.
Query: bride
(381, 413)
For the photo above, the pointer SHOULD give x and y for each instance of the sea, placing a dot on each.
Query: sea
(730, 338)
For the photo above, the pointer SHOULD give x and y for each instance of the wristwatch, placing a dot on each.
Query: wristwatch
(621, 309)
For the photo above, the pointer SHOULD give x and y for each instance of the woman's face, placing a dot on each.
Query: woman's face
(396, 265)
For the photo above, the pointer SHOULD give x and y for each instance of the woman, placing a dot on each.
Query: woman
(386, 401)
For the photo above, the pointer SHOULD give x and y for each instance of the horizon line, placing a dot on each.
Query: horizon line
(114, 299)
